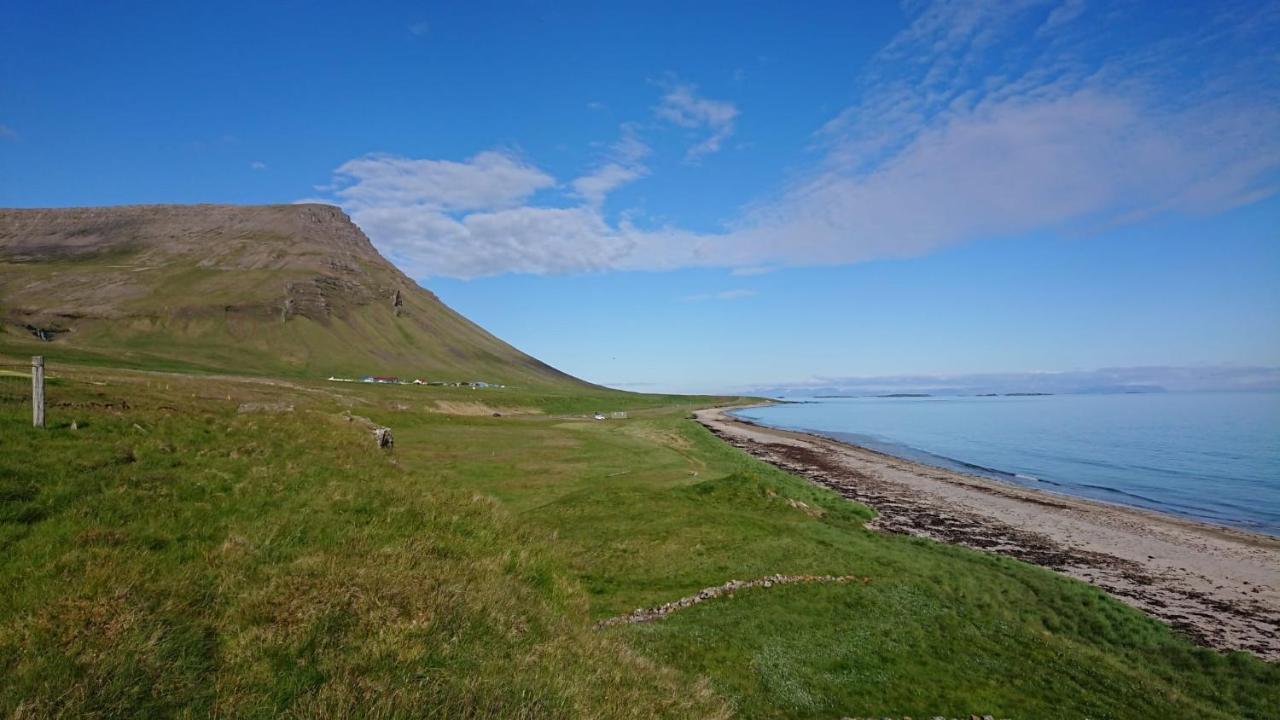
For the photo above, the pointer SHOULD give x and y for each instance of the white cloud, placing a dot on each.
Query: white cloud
(463, 219)
(594, 187)
(257, 165)
(420, 28)
(521, 239)
(683, 106)
(623, 165)
(489, 179)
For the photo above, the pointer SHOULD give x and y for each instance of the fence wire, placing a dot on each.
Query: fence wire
(15, 382)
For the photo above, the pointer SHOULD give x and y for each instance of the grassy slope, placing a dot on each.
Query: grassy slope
(174, 557)
(212, 300)
(161, 330)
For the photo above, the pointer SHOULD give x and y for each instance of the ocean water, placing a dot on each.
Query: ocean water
(1208, 456)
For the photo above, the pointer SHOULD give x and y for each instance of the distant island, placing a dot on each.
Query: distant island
(905, 395)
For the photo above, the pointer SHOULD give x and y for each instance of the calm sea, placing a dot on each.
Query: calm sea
(1208, 456)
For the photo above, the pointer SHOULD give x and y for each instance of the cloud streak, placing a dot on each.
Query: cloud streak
(1108, 380)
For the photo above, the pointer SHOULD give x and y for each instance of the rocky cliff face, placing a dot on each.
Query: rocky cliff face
(325, 265)
(218, 235)
(298, 284)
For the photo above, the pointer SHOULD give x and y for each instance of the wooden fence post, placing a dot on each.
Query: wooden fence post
(37, 391)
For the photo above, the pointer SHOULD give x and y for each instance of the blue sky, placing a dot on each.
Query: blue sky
(721, 196)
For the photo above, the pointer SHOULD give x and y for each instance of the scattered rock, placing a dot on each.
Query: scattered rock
(381, 435)
(935, 717)
(726, 590)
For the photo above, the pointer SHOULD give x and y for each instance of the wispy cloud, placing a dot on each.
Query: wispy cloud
(8, 133)
(967, 126)
(1060, 16)
(622, 165)
(737, 294)
(420, 28)
(257, 165)
(966, 131)
(594, 186)
(1118, 379)
(489, 179)
(684, 107)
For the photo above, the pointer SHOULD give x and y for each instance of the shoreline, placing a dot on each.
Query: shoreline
(1218, 584)
(998, 476)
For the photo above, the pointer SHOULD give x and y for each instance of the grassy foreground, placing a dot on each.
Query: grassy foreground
(172, 557)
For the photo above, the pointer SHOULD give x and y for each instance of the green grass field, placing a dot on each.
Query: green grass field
(171, 557)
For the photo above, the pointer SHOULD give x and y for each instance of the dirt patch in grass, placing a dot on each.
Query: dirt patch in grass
(459, 407)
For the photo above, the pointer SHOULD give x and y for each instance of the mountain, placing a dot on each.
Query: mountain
(277, 289)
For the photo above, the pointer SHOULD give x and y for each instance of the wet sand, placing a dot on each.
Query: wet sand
(1219, 585)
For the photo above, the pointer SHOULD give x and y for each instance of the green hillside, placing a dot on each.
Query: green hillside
(173, 555)
(287, 290)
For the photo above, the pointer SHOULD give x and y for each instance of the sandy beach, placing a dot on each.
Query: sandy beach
(1220, 586)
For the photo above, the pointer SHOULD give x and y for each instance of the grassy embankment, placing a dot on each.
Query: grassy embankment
(174, 557)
